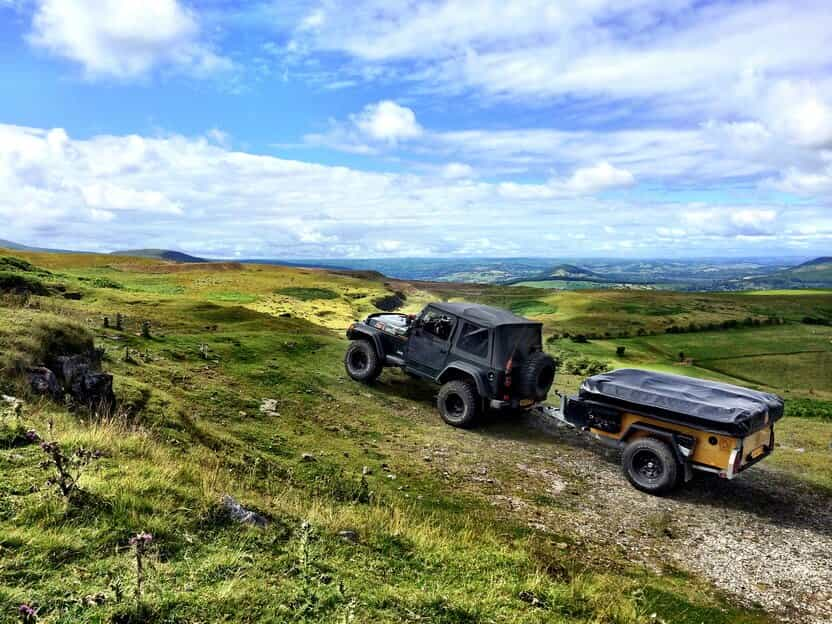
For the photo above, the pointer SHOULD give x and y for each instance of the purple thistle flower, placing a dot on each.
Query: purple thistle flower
(32, 435)
(28, 613)
(141, 539)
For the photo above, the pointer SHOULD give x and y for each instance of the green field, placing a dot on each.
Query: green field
(430, 547)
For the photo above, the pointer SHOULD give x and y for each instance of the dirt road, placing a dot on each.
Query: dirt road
(764, 537)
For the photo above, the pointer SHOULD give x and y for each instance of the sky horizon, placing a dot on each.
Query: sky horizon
(439, 129)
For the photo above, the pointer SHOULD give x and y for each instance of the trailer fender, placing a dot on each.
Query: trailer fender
(682, 444)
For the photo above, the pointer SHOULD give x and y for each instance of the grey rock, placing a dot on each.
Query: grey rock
(308, 457)
(348, 536)
(43, 381)
(243, 515)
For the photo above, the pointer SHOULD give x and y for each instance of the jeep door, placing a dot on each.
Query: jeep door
(429, 342)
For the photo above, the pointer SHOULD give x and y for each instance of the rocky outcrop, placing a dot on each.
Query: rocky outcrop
(43, 381)
(77, 375)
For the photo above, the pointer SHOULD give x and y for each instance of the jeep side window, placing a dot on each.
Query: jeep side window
(473, 339)
(438, 324)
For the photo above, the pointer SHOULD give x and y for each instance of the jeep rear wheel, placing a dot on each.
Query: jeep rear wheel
(650, 466)
(361, 361)
(458, 404)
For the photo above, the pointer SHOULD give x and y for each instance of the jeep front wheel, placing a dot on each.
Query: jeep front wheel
(458, 404)
(361, 361)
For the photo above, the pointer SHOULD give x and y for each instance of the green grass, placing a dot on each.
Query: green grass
(308, 294)
(532, 307)
(190, 430)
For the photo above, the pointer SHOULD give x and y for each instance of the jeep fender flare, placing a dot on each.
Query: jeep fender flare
(469, 371)
(367, 333)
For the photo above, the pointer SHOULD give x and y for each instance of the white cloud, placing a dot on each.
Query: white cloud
(123, 38)
(732, 221)
(456, 171)
(584, 181)
(387, 121)
(109, 192)
(694, 53)
(602, 176)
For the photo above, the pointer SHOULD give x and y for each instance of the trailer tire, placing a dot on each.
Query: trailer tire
(459, 404)
(362, 362)
(650, 466)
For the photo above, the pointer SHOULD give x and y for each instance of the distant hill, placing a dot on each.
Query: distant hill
(7, 244)
(815, 273)
(160, 254)
(817, 268)
(572, 272)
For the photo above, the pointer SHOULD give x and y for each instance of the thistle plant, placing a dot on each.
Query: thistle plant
(28, 614)
(119, 321)
(67, 467)
(140, 543)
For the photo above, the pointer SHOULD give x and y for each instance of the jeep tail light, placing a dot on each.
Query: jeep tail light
(509, 365)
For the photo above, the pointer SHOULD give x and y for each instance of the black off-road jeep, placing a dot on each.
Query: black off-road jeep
(483, 356)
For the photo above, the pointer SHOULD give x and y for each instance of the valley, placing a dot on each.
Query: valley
(376, 510)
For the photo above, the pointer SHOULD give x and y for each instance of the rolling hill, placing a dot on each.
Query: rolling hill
(375, 510)
(160, 254)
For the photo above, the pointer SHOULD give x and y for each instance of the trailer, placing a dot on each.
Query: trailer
(668, 426)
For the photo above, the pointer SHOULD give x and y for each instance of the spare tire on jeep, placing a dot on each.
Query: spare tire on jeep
(536, 375)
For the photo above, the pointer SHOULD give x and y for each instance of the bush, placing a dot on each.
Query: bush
(16, 283)
(48, 338)
(619, 351)
(580, 365)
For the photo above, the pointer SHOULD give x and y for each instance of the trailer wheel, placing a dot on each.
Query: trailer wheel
(650, 466)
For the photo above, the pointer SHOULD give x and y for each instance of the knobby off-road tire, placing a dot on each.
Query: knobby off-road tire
(459, 404)
(362, 361)
(650, 466)
(537, 376)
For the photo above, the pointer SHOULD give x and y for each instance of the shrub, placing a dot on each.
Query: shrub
(18, 284)
(619, 351)
(48, 338)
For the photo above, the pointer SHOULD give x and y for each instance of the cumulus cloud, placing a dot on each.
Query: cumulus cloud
(123, 38)
(598, 178)
(387, 121)
(584, 181)
(456, 170)
(747, 222)
(108, 192)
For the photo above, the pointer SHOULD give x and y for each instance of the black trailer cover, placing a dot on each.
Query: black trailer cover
(705, 404)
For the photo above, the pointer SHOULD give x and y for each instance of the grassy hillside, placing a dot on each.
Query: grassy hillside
(373, 512)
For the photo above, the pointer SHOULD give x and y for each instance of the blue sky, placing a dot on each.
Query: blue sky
(399, 128)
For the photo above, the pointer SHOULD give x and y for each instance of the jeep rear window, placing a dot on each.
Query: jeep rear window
(473, 339)
(516, 341)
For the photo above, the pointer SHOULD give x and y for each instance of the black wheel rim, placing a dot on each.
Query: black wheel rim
(647, 465)
(454, 406)
(358, 360)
